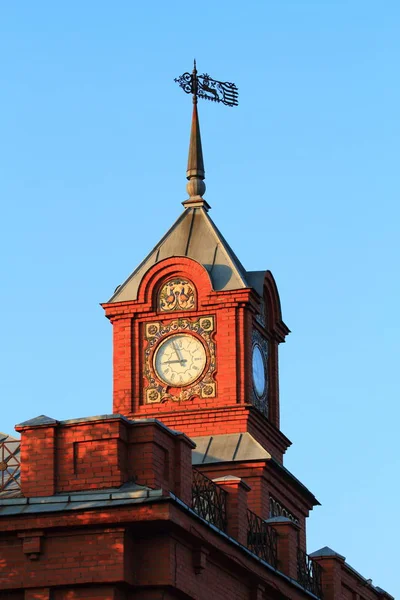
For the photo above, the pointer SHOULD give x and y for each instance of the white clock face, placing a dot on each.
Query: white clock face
(258, 364)
(180, 359)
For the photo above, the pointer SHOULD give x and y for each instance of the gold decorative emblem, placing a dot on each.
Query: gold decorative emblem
(177, 294)
(179, 360)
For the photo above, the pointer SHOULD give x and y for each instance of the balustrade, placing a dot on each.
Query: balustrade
(10, 466)
(309, 573)
(209, 500)
(261, 539)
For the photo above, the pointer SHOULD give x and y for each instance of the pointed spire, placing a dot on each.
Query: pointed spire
(195, 168)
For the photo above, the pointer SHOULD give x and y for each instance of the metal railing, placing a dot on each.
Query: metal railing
(262, 539)
(309, 573)
(209, 500)
(277, 509)
(10, 467)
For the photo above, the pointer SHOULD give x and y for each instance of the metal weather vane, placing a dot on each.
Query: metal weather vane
(203, 86)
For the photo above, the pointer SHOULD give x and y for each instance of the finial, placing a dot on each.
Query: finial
(194, 82)
(210, 89)
(195, 167)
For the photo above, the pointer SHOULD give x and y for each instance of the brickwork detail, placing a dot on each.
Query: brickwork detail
(105, 454)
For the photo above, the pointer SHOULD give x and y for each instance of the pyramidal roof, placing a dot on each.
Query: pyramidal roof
(194, 235)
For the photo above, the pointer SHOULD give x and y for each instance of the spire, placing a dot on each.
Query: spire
(210, 89)
(195, 168)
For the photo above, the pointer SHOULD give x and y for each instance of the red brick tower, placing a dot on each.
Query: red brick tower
(196, 340)
(181, 492)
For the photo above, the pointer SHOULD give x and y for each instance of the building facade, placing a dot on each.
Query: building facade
(181, 491)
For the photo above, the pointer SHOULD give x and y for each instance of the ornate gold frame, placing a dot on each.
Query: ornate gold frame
(154, 389)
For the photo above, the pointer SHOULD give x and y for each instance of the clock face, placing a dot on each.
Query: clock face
(258, 364)
(180, 359)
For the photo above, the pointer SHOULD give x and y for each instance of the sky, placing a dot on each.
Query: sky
(302, 177)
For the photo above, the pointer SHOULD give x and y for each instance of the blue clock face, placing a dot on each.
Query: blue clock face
(258, 364)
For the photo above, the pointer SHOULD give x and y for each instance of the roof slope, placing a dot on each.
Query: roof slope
(195, 236)
(129, 493)
(228, 447)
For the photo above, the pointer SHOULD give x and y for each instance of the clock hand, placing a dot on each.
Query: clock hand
(167, 362)
(178, 352)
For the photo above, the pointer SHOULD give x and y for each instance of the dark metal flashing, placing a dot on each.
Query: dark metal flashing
(40, 421)
(99, 499)
(383, 592)
(256, 281)
(235, 453)
(326, 552)
(295, 482)
(367, 582)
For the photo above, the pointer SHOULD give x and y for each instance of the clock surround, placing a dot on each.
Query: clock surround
(258, 371)
(156, 334)
(260, 396)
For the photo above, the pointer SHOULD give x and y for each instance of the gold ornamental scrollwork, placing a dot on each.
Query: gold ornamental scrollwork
(155, 390)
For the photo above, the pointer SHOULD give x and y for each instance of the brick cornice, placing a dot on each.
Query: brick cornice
(265, 427)
(177, 519)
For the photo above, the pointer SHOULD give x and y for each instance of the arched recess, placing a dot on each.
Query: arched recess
(180, 267)
(277, 331)
(273, 308)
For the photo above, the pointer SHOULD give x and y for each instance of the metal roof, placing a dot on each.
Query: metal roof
(130, 493)
(194, 235)
(241, 447)
(230, 447)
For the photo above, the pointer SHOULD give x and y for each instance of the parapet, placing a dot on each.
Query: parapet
(102, 452)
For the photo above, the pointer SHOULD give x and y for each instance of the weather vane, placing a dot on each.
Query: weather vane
(203, 86)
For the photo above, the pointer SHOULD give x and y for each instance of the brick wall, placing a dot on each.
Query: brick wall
(235, 317)
(103, 453)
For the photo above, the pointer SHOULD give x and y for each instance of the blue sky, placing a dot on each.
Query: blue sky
(302, 178)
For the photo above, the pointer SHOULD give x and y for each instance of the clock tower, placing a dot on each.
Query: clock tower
(182, 490)
(196, 335)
